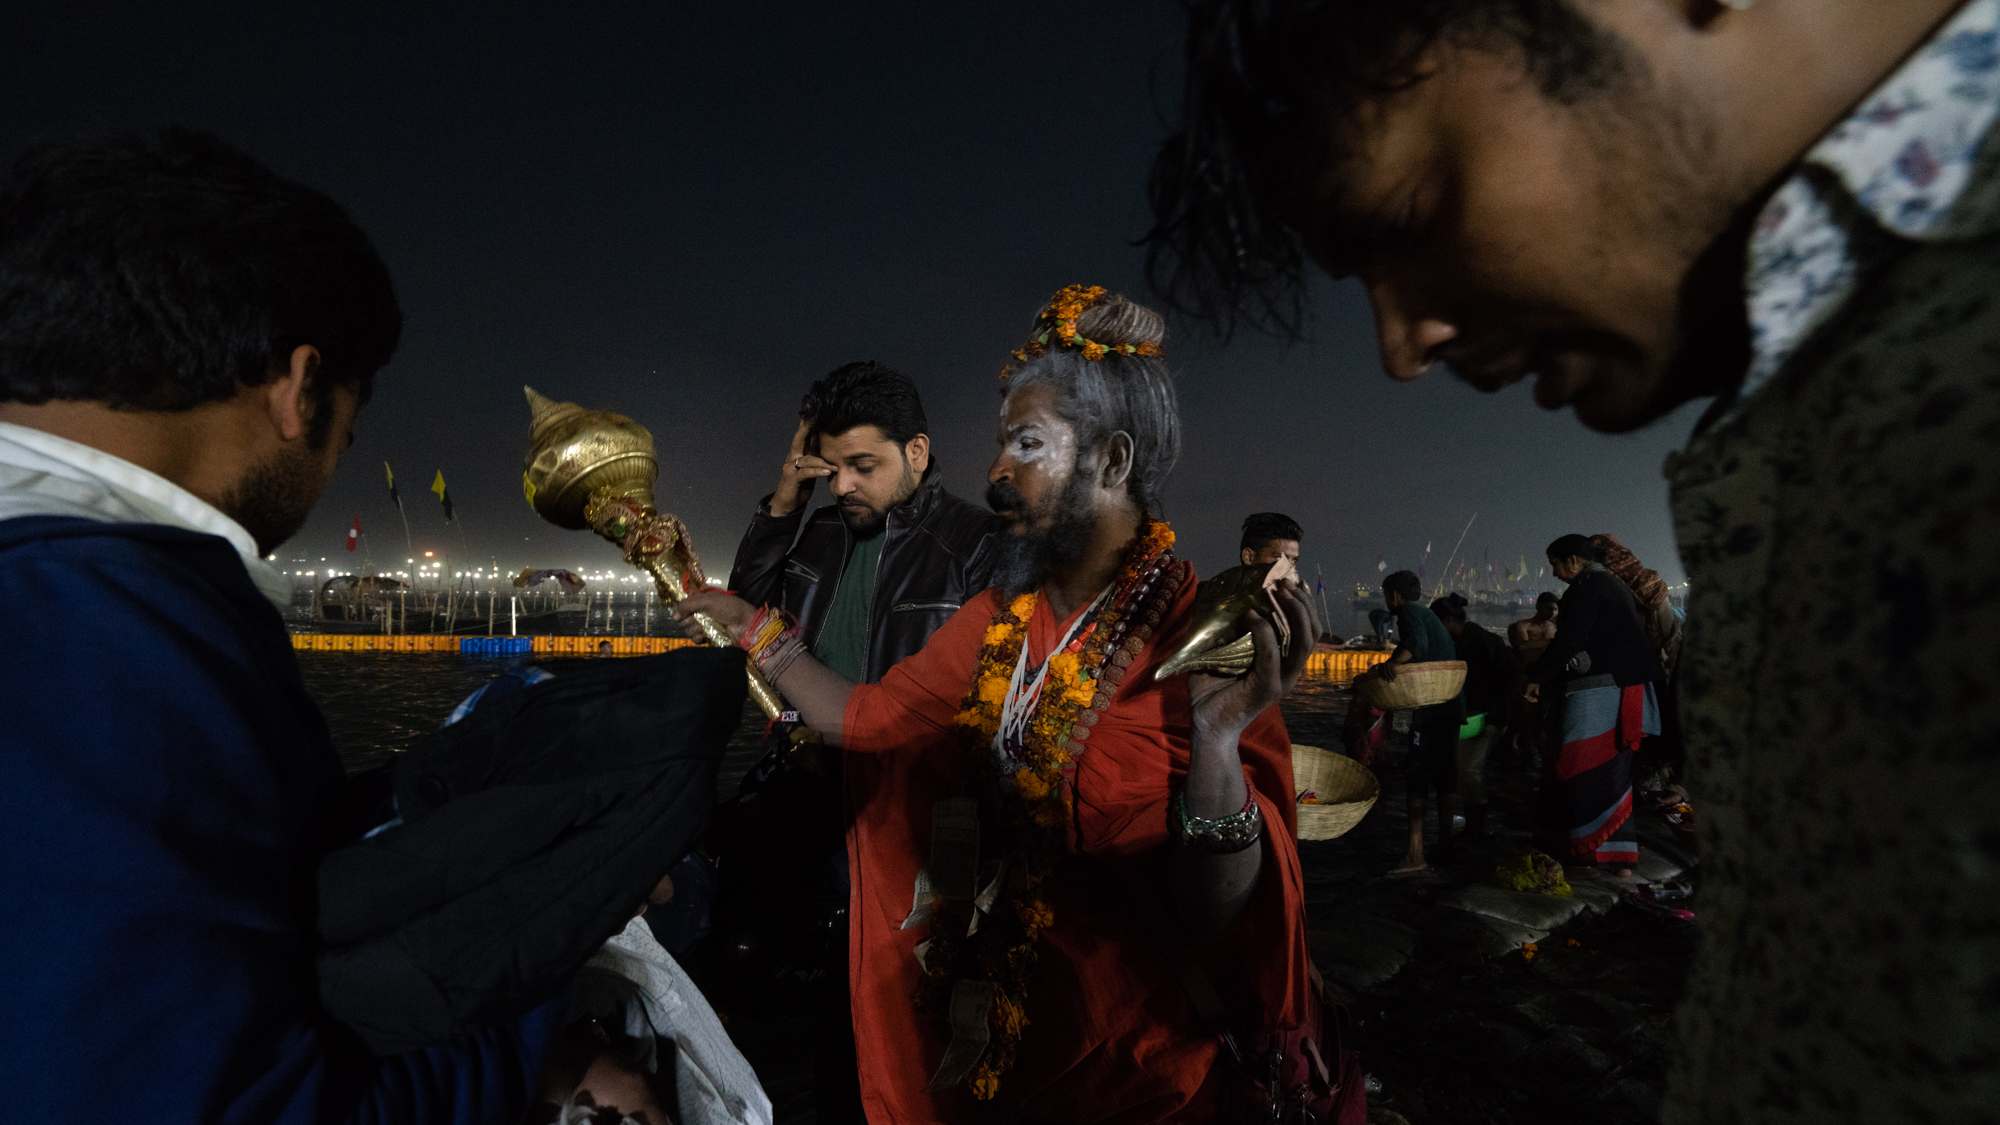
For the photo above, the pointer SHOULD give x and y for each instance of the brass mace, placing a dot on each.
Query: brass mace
(595, 469)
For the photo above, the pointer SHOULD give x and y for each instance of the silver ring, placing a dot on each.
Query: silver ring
(795, 463)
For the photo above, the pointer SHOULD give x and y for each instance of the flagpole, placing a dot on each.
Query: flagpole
(397, 497)
(1325, 612)
(451, 517)
(1461, 542)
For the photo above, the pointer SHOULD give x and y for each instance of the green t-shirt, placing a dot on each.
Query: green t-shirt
(842, 644)
(1420, 631)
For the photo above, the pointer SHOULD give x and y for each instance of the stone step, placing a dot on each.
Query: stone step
(1358, 951)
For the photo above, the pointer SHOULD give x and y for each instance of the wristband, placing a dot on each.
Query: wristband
(1222, 835)
(780, 657)
(768, 628)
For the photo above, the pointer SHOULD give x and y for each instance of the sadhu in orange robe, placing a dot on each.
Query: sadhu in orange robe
(1112, 1036)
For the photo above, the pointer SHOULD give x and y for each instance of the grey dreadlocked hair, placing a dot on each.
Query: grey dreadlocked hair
(1103, 396)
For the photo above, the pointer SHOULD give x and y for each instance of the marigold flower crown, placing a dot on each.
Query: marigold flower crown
(1056, 327)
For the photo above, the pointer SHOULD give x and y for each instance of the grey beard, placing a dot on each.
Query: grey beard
(1024, 559)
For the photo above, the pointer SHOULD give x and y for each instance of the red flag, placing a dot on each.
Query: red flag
(354, 533)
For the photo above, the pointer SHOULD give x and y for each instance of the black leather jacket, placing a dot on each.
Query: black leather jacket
(938, 555)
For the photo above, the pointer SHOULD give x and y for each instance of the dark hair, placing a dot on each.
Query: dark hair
(165, 272)
(1115, 392)
(1573, 547)
(865, 394)
(1271, 86)
(1263, 527)
(1451, 605)
(1404, 584)
(1547, 596)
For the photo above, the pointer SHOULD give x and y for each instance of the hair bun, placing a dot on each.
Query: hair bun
(1093, 323)
(1115, 322)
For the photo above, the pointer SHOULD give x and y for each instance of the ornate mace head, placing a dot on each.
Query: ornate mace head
(595, 469)
(573, 454)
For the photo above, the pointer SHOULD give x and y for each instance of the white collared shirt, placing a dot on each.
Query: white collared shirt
(45, 475)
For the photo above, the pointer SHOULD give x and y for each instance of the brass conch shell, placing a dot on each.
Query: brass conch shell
(595, 469)
(1219, 640)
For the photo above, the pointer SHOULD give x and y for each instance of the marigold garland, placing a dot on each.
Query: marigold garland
(1058, 320)
(1031, 807)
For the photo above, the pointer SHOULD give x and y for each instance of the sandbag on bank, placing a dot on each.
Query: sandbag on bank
(530, 831)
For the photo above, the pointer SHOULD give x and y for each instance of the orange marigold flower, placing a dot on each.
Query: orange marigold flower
(1031, 785)
(1035, 914)
(1008, 1016)
(996, 635)
(1063, 667)
(1093, 350)
(985, 1084)
(992, 690)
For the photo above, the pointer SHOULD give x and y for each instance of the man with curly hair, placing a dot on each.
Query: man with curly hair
(869, 577)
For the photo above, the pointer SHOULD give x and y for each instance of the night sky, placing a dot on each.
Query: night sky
(688, 213)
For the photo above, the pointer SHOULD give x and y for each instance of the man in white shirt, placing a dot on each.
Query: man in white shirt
(185, 339)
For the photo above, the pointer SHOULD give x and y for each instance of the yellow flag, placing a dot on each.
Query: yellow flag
(437, 485)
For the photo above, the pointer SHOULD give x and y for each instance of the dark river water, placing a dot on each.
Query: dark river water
(377, 703)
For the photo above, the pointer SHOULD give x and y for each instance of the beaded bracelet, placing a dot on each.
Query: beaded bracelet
(1221, 835)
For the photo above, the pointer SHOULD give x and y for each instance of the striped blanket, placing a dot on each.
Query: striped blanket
(1587, 785)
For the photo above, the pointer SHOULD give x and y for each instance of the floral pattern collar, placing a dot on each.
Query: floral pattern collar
(1915, 161)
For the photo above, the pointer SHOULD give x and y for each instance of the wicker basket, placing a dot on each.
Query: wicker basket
(1346, 789)
(1415, 685)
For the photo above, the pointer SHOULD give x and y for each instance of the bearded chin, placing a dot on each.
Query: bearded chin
(273, 499)
(1025, 558)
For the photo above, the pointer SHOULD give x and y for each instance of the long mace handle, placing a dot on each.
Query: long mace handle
(669, 586)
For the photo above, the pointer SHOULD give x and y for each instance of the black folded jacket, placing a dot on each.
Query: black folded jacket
(532, 829)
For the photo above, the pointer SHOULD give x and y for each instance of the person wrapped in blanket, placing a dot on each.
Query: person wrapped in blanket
(653, 1039)
(1599, 683)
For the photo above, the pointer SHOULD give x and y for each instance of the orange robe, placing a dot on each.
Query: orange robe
(1112, 1036)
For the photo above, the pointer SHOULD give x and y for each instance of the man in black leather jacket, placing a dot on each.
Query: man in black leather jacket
(870, 577)
(919, 550)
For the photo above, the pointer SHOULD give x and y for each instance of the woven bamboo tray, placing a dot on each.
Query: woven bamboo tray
(1345, 788)
(1415, 685)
